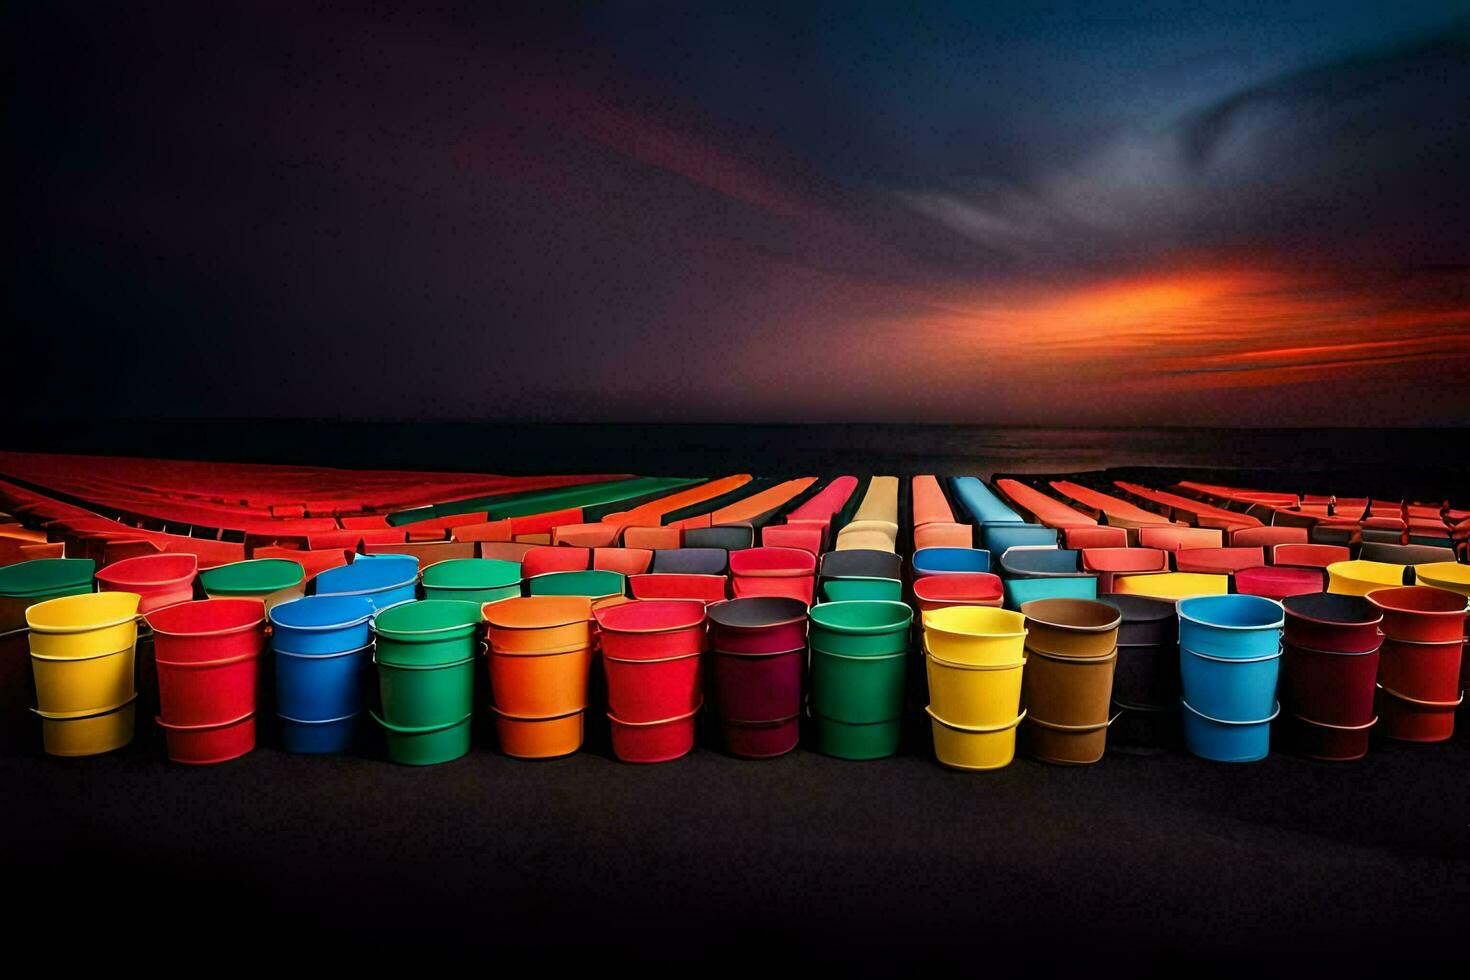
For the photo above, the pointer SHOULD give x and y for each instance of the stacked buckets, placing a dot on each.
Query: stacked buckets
(1229, 660)
(652, 653)
(83, 649)
(208, 655)
(858, 653)
(539, 652)
(1328, 671)
(1072, 647)
(425, 654)
(1146, 678)
(323, 646)
(974, 657)
(23, 585)
(1419, 667)
(759, 656)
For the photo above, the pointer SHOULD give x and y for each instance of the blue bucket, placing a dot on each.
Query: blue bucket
(1019, 590)
(1040, 562)
(1230, 688)
(1227, 741)
(318, 737)
(997, 538)
(384, 580)
(949, 561)
(316, 687)
(1240, 626)
(321, 624)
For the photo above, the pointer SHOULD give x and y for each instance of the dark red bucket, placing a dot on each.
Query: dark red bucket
(1423, 671)
(652, 629)
(758, 687)
(210, 693)
(761, 739)
(1411, 720)
(653, 741)
(1335, 623)
(1330, 743)
(1278, 581)
(1421, 614)
(208, 630)
(1330, 688)
(768, 624)
(202, 745)
(642, 692)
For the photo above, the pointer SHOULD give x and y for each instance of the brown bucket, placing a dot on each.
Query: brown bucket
(1072, 627)
(1065, 745)
(1068, 691)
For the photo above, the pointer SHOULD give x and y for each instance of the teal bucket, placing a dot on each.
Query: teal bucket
(1022, 590)
(860, 628)
(850, 589)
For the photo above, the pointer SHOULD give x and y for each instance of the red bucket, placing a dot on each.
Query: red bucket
(1330, 743)
(160, 580)
(208, 693)
(1335, 623)
(758, 687)
(1411, 720)
(1421, 614)
(202, 745)
(643, 692)
(758, 625)
(208, 630)
(652, 629)
(761, 739)
(1331, 688)
(800, 588)
(1424, 671)
(653, 741)
(1278, 581)
(961, 589)
(671, 585)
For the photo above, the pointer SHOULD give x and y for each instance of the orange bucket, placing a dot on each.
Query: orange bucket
(541, 684)
(538, 738)
(537, 623)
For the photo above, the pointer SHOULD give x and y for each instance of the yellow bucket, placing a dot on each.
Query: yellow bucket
(976, 636)
(975, 697)
(83, 685)
(871, 535)
(962, 747)
(1361, 577)
(1448, 575)
(1172, 585)
(81, 626)
(88, 734)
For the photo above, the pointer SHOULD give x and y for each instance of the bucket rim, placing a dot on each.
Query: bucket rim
(1304, 617)
(1221, 721)
(1459, 641)
(453, 663)
(797, 615)
(879, 630)
(848, 656)
(768, 723)
(958, 666)
(1380, 603)
(1072, 627)
(662, 721)
(599, 612)
(413, 635)
(1280, 648)
(206, 574)
(1341, 728)
(212, 726)
(375, 591)
(557, 717)
(318, 721)
(987, 730)
(770, 653)
(653, 660)
(488, 649)
(1067, 658)
(134, 616)
(1288, 644)
(366, 615)
(1416, 701)
(102, 573)
(1075, 728)
(571, 619)
(419, 730)
(1278, 624)
(928, 626)
(85, 712)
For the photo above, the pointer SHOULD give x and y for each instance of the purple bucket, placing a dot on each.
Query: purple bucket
(758, 624)
(758, 687)
(761, 739)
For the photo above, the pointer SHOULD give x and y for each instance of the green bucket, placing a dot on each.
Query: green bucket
(845, 740)
(426, 696)
(595, 583)
(477, 580)
(858, 690)
(861, 627)
(854, 588)
(257, 578)
(29, 582)
(426, 632)
(427, 745)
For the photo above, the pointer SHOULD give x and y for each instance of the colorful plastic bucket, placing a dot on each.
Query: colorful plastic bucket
(1420, 613)
(856, 741)
(325, 737)
(321, 624)
(860, 628)
(321, 687)
(1172, 585)
(1423, 671)
(271, 580)
(27, 583)
(1242, 626)
(93, 734)
(208, 631)
(533, 623)
(1072, 627)
(646, 692)
(950, 561)
(975, 635)
(427, 745)
(1040, 562)
(661, 740)
(1065, 745)
(858, 690)
(594, 583)
(204, 745)
(1407, 719)
(1332, 623)
(1146, 621)
(1328, 687)
(769, 624)
(973, 748)
(75, 686)
(758, 687)
(1067, 691)
(980, 589)
(861, 563)
(1229, 688)
(159, 580)
(860, 589)
(83, 625)
(652, 629)
(974, 696)
(1452, 576)
(1361, 577)
(1327, 742)
(1226, 741)
(540, 684)
(426, 632)
(208, 693)
(1019, 591)
(1278, 581)
(477, 580)
(761, 739)
(539, 738)
(426, 696)
(383, 580)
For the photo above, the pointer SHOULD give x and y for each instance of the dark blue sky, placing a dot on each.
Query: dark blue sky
(1060, 213)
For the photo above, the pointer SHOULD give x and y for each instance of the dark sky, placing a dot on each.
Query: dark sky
(1070, 213)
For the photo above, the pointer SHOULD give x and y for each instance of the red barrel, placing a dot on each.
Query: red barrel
(1420, 613)
(1411, 720)
(1327, 687)
(208, 630)
(653, 741)
(1424, 671)
(1334, 623)
(644, 692)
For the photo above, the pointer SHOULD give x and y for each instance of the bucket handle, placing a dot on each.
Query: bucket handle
(653, 660)
(457, 663)
(420, 730)
(1077, 728)
(1428, 704)
(225, 662)
(848, 656)
(95, 656)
